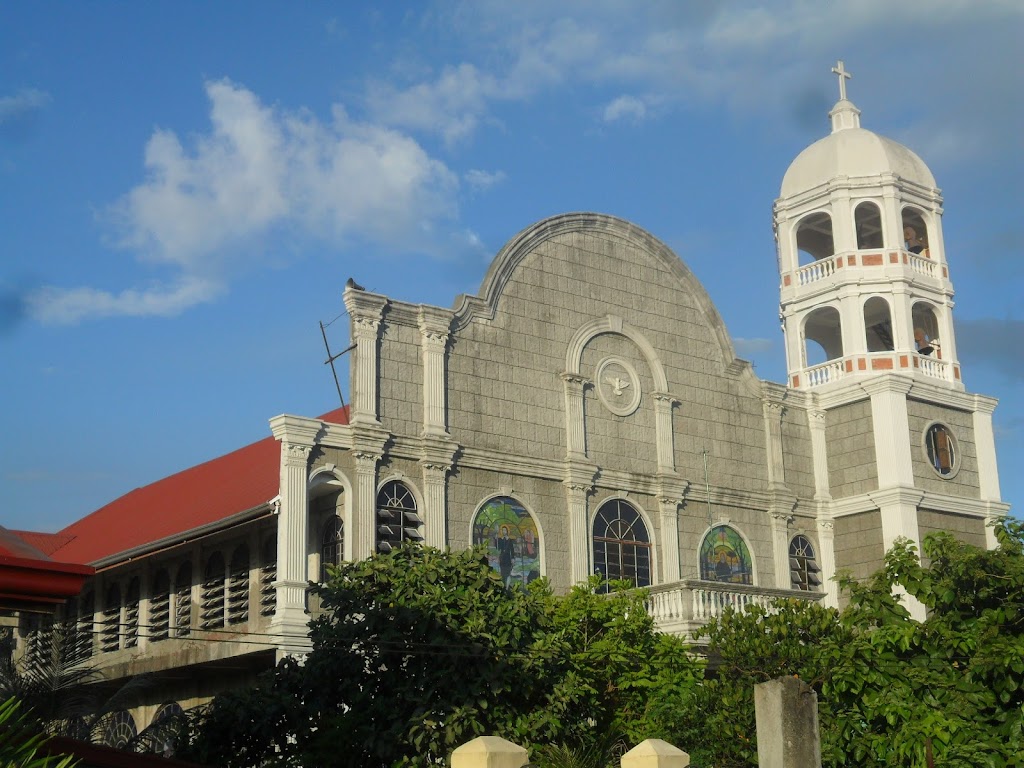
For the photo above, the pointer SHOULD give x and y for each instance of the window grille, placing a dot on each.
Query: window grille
(211, 615)
(238, 586)
(119, 730)
(110, 620)
(332, 544)
(183, 600)
(160, 607)
(131, 615)
(268, 575)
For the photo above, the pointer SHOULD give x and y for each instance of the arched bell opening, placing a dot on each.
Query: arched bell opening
(814, 239)
(823, 336)
(926, 328)
(878, 325)
(867, 221)
(915, 231)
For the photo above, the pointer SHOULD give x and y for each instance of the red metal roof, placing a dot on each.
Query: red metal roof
(207, 493)
(30, 579)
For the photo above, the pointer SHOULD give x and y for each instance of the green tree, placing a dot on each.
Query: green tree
(887, 686)
(420, 650)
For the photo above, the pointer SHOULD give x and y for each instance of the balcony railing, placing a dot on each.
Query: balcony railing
(874, 362)
(683, 607)
(856, 261)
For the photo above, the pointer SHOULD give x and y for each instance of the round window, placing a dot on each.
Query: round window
(941, 449)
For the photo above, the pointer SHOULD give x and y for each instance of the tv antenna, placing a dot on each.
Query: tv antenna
(331, 358)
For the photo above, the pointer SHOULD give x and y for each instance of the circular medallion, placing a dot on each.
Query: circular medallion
(618, 386)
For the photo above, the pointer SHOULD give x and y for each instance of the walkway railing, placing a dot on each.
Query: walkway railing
(860, 260)
(683, 607)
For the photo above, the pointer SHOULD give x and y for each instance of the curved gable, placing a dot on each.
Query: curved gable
(529, 240)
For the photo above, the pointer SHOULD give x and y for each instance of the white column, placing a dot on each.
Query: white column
(437, 455)
(827, 560)
(891, 430)
(579, 483)
(435, 325)
(290, 617)
(668, 506)
(663, 404)
(365, 503)
(780, 546)
(988, 469)
(575, 431)
(365, 311)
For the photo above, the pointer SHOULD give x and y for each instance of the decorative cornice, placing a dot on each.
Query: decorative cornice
(296, 430)
(575, 378)
(363, 305)
(891, 383)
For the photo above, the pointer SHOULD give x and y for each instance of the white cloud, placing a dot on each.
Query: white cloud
(60, 306)
(625, 108)
(752, 347)
(260, 171)
(481, 180)
(24, 102)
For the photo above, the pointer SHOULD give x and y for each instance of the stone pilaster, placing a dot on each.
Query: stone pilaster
(365, 311)
(891, 430)
(898, 510)
(435, 326)
(436, 461)
(579, 483)
(773, 411)
(663, 405)
(297, 436)
(985, 445)
(575, 430)
(827, 560)
(817, 421)
(671, 492)
(367, 450)
(780, 521)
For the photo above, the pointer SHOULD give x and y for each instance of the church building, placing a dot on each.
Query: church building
(584, 413)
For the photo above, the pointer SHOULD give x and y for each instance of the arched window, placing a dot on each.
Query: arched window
(183, 600)
(622, 548)
(814, 237)
(110, 627)
(915, 231)
(119, 729)
(878, 324)
(724, 557)
(332, 544)
(926, 329)
(804, 572)
(212, 613)
(397, 521)
(868, 222)
(160, 736)
(238, 586)
(268, 575)
(160, 607)
(510, 535)
(823, 331)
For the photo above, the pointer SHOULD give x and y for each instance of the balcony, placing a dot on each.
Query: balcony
(855, 264)
(875, 362)
(683, 607)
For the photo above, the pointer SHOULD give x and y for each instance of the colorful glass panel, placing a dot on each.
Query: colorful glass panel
(510, 535)
(724, 557)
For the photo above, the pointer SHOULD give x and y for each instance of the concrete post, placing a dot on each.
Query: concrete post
(787, 724)
(655, 753)
(489, 752)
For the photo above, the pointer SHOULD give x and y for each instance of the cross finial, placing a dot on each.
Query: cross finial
(843, 75)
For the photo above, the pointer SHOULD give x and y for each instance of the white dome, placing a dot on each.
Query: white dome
(852, 151)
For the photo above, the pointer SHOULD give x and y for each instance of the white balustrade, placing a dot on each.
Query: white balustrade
(934, 367)
(824, 373)
(923, 266)
(819, 270)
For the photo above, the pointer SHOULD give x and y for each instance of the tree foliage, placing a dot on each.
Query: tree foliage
(887, 686)
(421, 650)
(21, 742)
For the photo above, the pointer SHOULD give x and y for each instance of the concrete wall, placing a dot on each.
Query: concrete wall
(858, 544)
(965, 482)
(852, 467)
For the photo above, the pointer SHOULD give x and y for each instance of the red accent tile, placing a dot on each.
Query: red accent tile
(894, 258)
(851, 261)
(786, 280)
(796, 382)
(904, 363)
(956, 372)
(862, 364)
(881, 364)
(871, 260)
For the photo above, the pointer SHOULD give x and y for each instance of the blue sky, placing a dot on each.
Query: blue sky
(185, 187)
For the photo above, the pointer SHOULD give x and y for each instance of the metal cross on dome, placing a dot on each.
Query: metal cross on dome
(843, 75)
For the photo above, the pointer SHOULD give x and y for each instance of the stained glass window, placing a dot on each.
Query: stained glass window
(622, 548)
(724, 557)
(510, 535)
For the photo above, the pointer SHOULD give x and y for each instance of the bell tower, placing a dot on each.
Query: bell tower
(900, 447)
(865, 286)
